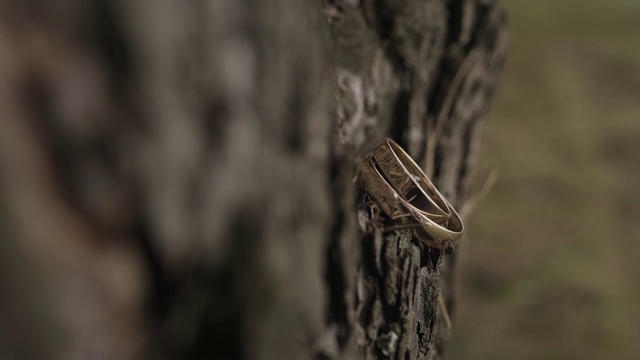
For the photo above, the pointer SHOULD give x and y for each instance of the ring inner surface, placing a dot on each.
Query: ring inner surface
(422, 185)
(403, 182)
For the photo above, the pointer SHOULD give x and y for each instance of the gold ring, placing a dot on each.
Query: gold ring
(372, 181)
(441, 236)
(390, 201)
(396, 183)
(408, 180)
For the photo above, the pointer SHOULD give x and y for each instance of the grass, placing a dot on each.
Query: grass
(550, 264)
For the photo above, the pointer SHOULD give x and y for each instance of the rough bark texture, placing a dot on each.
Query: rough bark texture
(177, 177)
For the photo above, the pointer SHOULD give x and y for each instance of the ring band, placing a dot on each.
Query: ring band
(377, 187)
(433, 233)
(407, 178)
(397, 184)
(375, 183)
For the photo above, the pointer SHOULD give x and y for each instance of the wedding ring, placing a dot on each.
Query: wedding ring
(432, 233)
(408, 180)
(397, 184)
(377, 187)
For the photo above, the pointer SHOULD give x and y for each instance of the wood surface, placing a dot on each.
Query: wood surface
(177, 178)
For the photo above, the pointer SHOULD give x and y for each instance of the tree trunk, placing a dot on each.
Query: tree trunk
(177, 178)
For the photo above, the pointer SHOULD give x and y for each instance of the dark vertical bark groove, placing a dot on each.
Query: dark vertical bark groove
(178, 178)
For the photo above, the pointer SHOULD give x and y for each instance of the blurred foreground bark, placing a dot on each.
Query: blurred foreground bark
(177, 177)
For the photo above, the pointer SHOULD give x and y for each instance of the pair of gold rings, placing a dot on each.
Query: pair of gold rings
(403, 192)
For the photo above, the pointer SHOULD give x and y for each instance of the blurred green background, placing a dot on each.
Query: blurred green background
(551, 264)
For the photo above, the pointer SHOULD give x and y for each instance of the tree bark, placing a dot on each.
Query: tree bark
(177, 178)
